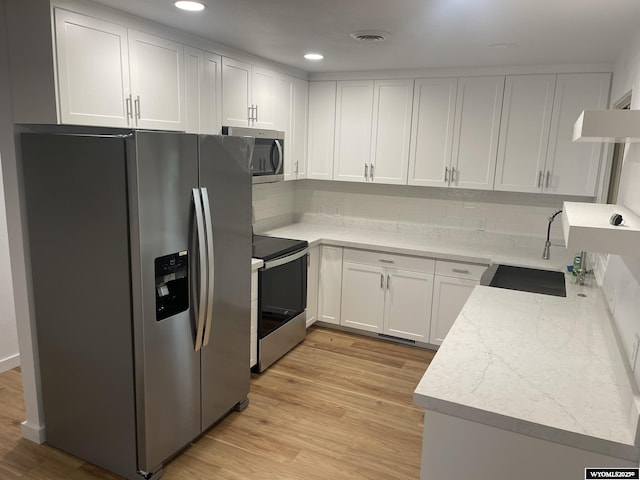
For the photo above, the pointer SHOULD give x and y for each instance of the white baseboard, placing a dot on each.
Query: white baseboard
(10, 362)
(35, 433)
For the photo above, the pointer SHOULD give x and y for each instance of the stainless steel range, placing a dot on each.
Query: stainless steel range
(282, 296)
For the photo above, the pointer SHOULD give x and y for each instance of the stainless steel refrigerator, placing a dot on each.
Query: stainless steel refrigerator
(140, 247)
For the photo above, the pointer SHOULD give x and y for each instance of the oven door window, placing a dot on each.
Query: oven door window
(283, 295)
(266, 157)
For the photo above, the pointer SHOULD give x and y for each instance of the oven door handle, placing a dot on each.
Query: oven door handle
(281, 261)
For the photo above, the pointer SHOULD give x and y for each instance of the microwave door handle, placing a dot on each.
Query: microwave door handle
(280, 158)
(281, 261)
(202, 299)
(210, 265)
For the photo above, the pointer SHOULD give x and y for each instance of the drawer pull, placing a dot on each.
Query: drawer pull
(386, 261)
(460, 270)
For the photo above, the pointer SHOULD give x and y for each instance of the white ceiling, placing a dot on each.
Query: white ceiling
(424, 33)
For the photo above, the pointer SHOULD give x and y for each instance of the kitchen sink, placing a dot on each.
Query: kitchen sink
(532, 280)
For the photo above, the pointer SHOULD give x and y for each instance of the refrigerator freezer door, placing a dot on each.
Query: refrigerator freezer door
(225, 374)
(163, 169)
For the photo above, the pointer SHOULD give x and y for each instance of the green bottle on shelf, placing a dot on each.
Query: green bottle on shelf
(576, 265)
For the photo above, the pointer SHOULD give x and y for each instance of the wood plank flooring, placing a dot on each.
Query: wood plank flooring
(339, 406)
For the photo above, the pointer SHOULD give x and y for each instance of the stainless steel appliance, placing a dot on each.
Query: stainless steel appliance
(139, 252)
(282, 296)
(267, 161)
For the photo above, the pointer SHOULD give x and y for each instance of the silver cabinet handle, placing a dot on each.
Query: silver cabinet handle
(382, 281)
(371, 172)
(297, 171)
(129, 109)
(280, 157)
(460, 270)
(137, 106)
(454, 176)
(208, 225)
(546, 183)
(202, 298)
(539, 178)
(382, 260)
(249, 114)
(388, 282)
(446, 174)
(366, 171)
(255, 117)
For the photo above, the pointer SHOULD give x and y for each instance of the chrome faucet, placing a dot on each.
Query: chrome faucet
(546, 254)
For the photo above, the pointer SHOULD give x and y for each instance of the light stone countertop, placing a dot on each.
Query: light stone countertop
(544, 366)
(256, 263)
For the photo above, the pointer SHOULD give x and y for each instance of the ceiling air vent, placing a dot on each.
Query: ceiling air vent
(370, 36)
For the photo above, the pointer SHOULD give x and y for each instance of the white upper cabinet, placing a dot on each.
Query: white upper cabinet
(236, 101)
(524, 132)
(265, 93)
(354, 108)
(93, 71)
(157, 82)
(203, 95)
(321, 128)
(295, 157)
(390, 137)
(434, 103)
(477, 125)
(572, 168)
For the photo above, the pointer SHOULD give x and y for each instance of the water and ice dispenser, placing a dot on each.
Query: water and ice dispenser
(172, 284)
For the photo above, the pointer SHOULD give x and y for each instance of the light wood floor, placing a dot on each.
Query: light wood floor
(337, 407)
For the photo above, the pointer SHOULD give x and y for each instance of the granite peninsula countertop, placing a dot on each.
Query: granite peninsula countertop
(548, 367)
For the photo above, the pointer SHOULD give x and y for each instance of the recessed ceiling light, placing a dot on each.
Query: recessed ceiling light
(189, 5)
(371, 36)
(313, 56)
(502, 46)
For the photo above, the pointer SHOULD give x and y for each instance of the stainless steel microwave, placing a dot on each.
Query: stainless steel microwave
(267, 161)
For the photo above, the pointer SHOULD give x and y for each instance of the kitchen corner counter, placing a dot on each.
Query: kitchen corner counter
(542, 366)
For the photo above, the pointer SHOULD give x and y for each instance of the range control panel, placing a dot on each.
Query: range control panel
(172, 284)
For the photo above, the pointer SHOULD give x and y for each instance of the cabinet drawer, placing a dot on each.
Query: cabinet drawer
(404, 262)
(472, 271)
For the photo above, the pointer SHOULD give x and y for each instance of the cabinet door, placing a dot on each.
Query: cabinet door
(93, 71)
(157, 82)
(264, 93)
(524, 132)
(572, 168)
(392, 103)
(211, 95)
(312, 285)
(194, 79)
(449, 296)
(434, 104)
(354, 107)
(295, 158)
(236, 83)
(321, 128)
(330, 284)
(363, 292)
(283, 107)
(408, 304)
(477, 125)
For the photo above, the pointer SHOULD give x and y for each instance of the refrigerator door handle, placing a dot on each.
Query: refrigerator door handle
(210, 264)
(202, 298)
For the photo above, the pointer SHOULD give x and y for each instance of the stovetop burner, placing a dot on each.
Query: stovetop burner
(268, 248)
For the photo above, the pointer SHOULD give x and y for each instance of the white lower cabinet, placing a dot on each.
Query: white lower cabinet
(453, 283)
(389, 294)
(330, 284)
(312, 285)
(253, 355)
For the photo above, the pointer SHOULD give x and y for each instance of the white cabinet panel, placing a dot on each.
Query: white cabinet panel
(211, 95)
(363, 294)
(354, 107)
(392, 104)
(449, 296)
(194, 78)
(524, 132)
(93, 71)
(295, 157)
(312, 285)
(264, 84)
(432, 131)
(322, 121)
(477, 125)
(408, 304)
(236, 84)
(573, 167)
(157, 81)
(330, 284)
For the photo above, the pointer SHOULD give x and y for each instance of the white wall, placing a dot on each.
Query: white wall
(621, 282)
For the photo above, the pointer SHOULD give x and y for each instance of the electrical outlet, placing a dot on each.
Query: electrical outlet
(634, 351)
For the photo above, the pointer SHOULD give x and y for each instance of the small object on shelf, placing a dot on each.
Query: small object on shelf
(616, 219)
